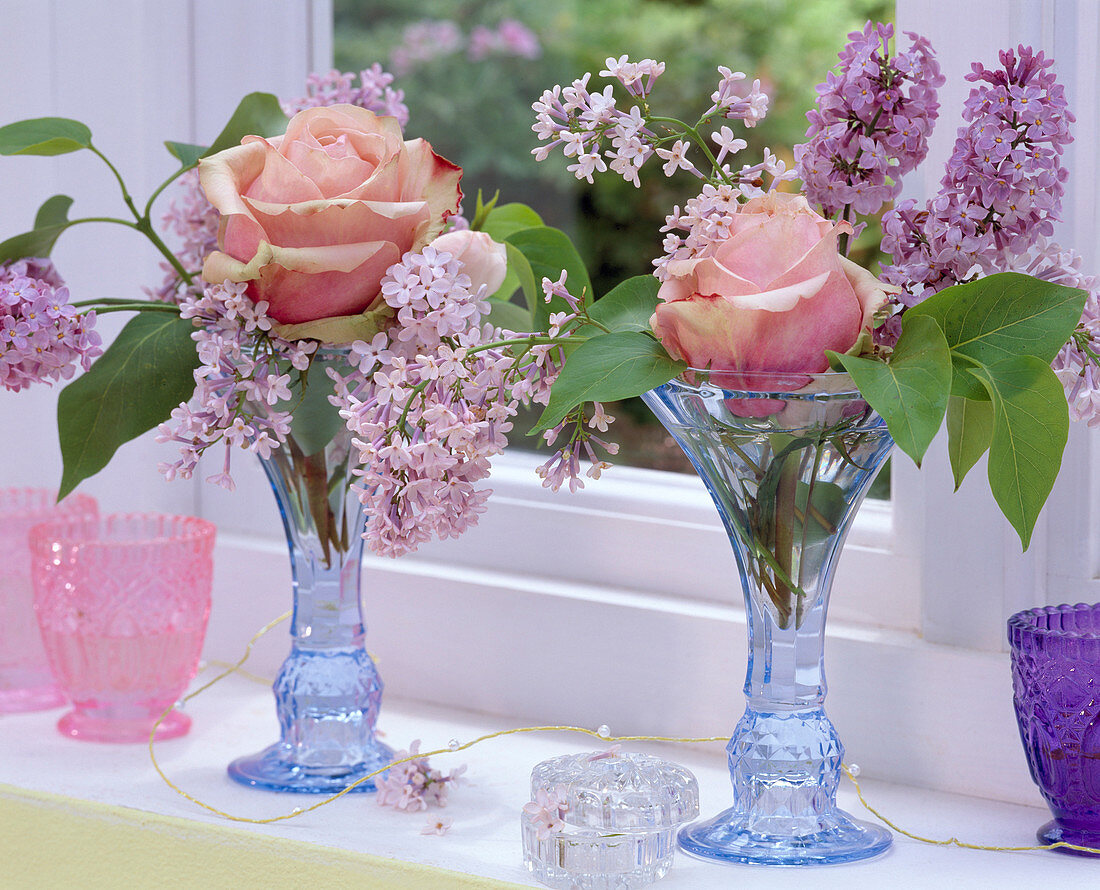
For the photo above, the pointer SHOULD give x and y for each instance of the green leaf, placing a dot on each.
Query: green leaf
(607, 368)
(969, 430)
(549, 251)
(50, 221)
(629, 305)
(131, 388)
(338, 330)
(517, 264)
(53, 212)
(1030, 429)
(258, 114)
(1005, 315)
(508, 218)
(910, 391)
(509, 316)
(44, 136)
(827, 509)
(482, 210)
(186, 153)
(316, 421)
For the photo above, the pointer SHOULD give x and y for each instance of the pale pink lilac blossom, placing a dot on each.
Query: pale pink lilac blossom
(545, 812)
(238, 384)
(509, 38)
(415, 785)
(589, 126)
(42, 337)
(374, 93)
(438, 825)
(432, 401)
(426, 41)
(193, 222)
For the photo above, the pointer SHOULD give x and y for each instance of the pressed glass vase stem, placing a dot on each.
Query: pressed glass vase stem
(328, 691)
(787, 472)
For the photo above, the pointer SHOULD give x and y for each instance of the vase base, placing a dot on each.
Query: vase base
(1052, 833)
(276, 769)
(727, 838)
(36, 698)
(89, 728)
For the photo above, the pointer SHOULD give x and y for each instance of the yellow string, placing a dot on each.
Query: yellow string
(954, 841)
(299, 811)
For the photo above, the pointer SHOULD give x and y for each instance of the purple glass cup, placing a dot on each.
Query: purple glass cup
(1056, 692)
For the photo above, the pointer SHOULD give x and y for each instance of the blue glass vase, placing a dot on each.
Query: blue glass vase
(787, 459)
(327, 692)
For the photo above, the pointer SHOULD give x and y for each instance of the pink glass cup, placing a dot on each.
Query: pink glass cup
(122, 603)
(26, 683)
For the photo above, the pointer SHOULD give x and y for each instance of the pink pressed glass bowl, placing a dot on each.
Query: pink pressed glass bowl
(26, 683)
(122, 603)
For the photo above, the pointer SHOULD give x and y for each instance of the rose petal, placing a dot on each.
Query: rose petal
(341, 221)
(426, 176)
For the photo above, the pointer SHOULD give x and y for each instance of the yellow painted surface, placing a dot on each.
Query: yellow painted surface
(48, 842)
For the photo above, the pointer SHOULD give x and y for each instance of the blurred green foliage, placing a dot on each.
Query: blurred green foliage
(478, 114)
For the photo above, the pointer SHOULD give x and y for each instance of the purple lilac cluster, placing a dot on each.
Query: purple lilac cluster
(374, 93)
(42, 336)
(591, 128)
(432, 402)
(237, 384)
(871, 122)
(415, 785)
(1003, 187)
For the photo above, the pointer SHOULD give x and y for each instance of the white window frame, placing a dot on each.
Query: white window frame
(619, 604)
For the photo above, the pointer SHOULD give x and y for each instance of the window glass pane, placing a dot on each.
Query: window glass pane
(470, 70)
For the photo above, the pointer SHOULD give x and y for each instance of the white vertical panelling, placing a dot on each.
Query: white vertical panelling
(137, 73)
(974, 573)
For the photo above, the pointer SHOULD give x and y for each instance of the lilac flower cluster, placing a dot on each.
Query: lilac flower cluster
(592, 129)
(871, 122)
(415, 785)
(707, 217)
(42, 336)
(194, 223)
(509, 38)
(432, 402)
(425, 41)
(546, 810)
(432, 39)
(1003, 187)
(239, 381)
(374, 93)
(428, 412)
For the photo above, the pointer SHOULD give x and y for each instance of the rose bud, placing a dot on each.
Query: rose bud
(482, 258)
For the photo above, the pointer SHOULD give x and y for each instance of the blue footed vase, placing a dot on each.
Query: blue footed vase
(327, 692)
(787, 460)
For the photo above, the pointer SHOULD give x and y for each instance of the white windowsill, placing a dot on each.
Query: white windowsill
(238, 716)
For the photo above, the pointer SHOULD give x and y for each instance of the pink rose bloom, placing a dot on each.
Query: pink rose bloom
(771, 297)
(482, 258)
(312, 219)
